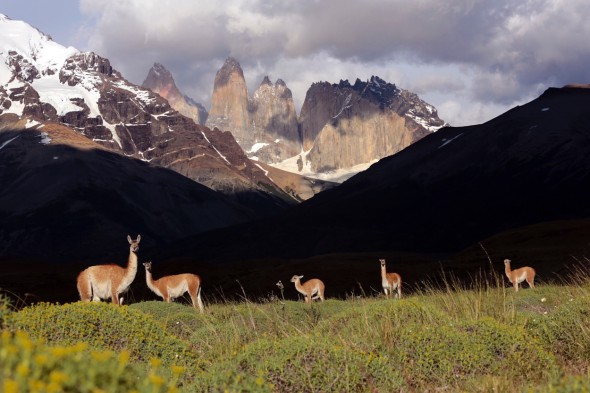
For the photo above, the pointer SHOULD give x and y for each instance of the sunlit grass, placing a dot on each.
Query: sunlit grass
(447, 336)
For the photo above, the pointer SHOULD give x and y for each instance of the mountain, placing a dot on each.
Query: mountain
(344, 125)
(43, 81)
(65, 198)
(160, 81)
(265, 125)
(447, 191)
(341, 130)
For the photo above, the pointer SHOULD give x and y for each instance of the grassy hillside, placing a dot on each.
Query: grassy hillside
(486, 338)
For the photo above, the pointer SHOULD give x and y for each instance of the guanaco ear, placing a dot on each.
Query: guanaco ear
(138, 238)
(300, 277)
(129, 239)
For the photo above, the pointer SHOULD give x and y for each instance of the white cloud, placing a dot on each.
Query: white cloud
(476, 55)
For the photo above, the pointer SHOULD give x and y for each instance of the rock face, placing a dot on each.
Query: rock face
(229, 102)
(274, 119)
(160, 80)
(83, 92)
(265, 125)
(344, 125)
(340, 125)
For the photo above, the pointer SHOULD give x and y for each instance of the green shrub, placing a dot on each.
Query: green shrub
(5, 309)
(28, 365)
(566, 330)
(103, 326)
(306, 364)
(178, 319)
(567, 384)
(452, 353)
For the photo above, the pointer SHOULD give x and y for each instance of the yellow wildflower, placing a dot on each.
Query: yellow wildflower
(22, 370)
(156, 379)
(10, 386)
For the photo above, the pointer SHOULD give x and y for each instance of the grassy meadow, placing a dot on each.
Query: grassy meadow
(448, 338)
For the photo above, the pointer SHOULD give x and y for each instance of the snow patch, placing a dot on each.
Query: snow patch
(263, 170)
(45, 139)
(345, 105)
(31, 123)
(337, 176)
(7, 142)
(447, 141)
(257, 146)
(218, 152)
(545, 109)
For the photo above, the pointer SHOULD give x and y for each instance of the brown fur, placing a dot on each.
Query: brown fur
(171, 287)
(519, 275)
(390, 281)
(309, 288)
(108, 281)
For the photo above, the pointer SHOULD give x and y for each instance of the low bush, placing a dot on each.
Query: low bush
(452, 353)
(178, 319)
(306, 364)
(566, 331)
(104, 326)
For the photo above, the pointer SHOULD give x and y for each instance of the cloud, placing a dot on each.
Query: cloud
(480, 53)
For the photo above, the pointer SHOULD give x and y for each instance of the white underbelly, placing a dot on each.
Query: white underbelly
(178, 290)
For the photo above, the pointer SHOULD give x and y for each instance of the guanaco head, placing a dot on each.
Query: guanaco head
(148, 266)
(134, 243)
(382, 262)
(506, 262)
(296, 278)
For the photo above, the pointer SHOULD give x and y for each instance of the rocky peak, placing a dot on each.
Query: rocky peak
(345, 125)
(158, 74)
(78, 67)
(266, 81)
(22, 69)
(160, 81)
(230, 103)
(89, 61)
(230, 66)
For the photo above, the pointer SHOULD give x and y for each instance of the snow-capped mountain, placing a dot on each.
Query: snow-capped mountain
(45, 82)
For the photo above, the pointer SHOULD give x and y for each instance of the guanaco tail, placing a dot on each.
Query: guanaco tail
(390, 281)
(171, 287)
(519, 275)
(109, 281)
(311, 289)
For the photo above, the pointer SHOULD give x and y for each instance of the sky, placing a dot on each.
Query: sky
(471, 59)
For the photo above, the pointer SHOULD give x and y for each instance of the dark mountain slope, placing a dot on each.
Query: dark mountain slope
(68, 199)
(441, 194)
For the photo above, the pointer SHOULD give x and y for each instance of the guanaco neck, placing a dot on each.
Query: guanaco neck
(149, 280)
(508, 270)
(383, 272)
(131, 270)
(299, 287)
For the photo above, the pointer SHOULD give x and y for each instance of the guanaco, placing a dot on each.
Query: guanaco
(171, 287)
(311, 289)
(390, 281)
(519, 275)
(109, 281)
